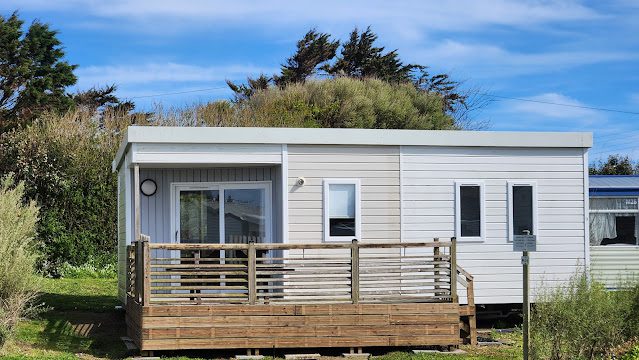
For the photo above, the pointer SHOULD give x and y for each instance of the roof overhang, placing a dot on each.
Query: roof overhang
(325, 136)
(612, 192)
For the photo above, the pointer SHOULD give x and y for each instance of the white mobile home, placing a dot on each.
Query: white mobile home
(278, 185)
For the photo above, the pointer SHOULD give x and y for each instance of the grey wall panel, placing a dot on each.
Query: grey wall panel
(156, 209)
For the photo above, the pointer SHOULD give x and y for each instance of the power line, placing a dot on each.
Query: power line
(610, 151)
(178, 92)
(484, 94)
(561, 104)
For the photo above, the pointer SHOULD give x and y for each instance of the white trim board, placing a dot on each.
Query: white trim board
(167, 136)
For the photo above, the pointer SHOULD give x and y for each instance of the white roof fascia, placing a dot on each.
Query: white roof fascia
(330, 136)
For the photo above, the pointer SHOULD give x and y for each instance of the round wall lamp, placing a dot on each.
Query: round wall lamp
(148, 187)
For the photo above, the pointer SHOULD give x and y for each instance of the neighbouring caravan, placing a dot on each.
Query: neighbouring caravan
(614, 228)
(342, 225)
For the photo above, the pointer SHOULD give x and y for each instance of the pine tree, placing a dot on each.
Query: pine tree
(314, 50)
(253, 85)
(33, 74)
(360, 58)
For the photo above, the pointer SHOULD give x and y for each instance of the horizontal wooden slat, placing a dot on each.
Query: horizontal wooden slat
(167, 246)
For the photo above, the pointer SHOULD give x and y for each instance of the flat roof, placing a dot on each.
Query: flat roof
(614, 181)
(331, 136)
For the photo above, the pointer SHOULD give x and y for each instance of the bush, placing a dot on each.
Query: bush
(18, 283)
(334, 103)
(632, 354)
(65, 163)
(92, 269)
(583, 320)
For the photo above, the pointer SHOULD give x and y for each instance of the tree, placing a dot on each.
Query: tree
(101, 99)
(615, 165)
(33, 72)
(312, 52)
(243, 92)
(360, 58)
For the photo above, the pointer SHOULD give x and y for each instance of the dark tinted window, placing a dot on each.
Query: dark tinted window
(522, 210)
(470, 210)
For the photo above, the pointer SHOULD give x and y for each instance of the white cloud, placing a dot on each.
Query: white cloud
(483, 60)
(543, 105)
(144, 74)
(407, 19)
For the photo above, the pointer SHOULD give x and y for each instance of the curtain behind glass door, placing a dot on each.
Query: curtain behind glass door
(244, 217)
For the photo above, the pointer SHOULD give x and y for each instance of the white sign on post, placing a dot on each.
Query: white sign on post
(524, 242)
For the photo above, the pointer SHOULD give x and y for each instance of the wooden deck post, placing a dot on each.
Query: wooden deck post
(252, 273)
(137, 225)
(472, 319)
(453, 269)
(145, 260)
(355, 271)
(436, 258)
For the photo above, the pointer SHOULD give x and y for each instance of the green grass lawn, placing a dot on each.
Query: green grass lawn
(80, 323)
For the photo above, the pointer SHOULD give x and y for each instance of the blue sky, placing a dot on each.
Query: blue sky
(569, 52)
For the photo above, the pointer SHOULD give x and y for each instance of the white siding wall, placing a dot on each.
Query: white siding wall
(614, 264)
(121, 250)
(377, 167)
(428, 176)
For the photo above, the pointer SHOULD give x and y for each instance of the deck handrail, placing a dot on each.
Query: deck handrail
(327, 272)
(469, 311)
(441, 244)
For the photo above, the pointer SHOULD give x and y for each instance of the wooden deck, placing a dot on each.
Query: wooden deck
(257, 296)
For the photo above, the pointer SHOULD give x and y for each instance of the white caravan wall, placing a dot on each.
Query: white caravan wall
(428, 177)
(377, 167)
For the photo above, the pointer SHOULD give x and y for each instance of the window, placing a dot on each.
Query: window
(469, 210)
(614, 221)
(342, 209)
(522, 209)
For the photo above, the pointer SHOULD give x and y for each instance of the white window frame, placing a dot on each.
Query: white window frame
(358, 210)
(511, 184)
(482, 209)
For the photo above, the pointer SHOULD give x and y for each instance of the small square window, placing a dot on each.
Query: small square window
(341, 210)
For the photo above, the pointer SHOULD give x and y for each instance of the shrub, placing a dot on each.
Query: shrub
(581, 320)
(94, 268)
(18, 283)
(335, 103)
(633, 354)
(65, 163)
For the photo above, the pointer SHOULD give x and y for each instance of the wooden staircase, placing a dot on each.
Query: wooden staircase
(467, 312)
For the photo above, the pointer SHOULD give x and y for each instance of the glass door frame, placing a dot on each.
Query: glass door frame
(220, 187)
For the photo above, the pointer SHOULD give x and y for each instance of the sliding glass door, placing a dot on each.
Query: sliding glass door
(229, 213)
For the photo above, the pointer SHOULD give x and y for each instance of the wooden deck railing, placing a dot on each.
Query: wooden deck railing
(257, 273)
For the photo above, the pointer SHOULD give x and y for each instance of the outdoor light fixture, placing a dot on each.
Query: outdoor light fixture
(148, 187)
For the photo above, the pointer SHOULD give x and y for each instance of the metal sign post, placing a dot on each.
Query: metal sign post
(525, 243)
